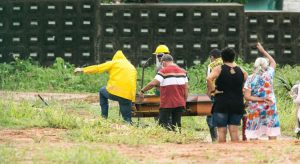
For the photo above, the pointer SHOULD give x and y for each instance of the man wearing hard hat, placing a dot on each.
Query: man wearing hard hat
(121, 85)
(173, 84)
(159, 52)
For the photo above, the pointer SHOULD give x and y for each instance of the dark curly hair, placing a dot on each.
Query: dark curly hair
(228, 55)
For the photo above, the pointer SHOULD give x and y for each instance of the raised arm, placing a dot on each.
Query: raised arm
(266, 54)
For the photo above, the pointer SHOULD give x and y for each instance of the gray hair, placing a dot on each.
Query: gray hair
(261, 65)
(166, 57)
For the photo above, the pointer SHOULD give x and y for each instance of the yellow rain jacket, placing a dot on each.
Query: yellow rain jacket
(122, 76)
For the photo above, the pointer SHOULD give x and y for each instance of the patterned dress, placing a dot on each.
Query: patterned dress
(262, 118)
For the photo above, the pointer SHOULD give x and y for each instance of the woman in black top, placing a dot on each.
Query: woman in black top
(229, 105)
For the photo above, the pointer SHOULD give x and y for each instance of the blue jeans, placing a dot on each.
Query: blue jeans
(211, 126)
(209, 119)
(125, 104)
(224, 119)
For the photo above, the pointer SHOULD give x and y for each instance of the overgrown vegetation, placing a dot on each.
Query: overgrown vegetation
(24, 75)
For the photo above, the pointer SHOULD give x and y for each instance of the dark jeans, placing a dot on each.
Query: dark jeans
(125, 104)
(157, 93)
(225, 119)
(174, 113)
(212, 128)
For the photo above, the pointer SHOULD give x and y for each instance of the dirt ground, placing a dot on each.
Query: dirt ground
(18, 96)
(285, 149)
(282, 150)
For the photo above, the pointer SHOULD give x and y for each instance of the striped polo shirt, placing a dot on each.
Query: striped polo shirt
(172, 86)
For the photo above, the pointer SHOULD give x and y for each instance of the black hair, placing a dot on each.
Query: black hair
(228, 55)
(216, 53)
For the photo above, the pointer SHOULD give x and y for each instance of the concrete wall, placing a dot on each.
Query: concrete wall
(291, 5)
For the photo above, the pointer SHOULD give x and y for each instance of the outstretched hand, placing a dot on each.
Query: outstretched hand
(78, 70)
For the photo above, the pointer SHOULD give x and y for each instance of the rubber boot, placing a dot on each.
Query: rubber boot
(213, 134)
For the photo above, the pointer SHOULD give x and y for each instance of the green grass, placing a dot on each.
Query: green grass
(79, 153)
(23, 114)
(9, 154)
(27, 76)
(91, 127)
(84, 154)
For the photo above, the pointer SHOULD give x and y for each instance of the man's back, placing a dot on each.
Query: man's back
(122, 79)
(173, 81)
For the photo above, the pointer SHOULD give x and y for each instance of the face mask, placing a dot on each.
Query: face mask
(159, 55)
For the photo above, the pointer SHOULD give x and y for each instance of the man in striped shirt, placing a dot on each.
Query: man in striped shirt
(173, 84)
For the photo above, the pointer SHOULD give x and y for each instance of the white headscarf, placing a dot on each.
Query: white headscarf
(261, 65)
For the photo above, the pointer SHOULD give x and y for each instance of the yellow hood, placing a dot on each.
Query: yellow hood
(122, 76)
(118, 55)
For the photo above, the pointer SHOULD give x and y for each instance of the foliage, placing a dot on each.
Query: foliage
(217, 1)
(26, 75)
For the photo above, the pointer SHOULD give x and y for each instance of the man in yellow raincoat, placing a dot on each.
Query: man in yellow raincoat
(121, 85)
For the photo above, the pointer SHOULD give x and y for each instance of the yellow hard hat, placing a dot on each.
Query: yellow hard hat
(161, 49)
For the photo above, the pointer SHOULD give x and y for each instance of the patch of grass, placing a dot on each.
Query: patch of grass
(9, 154)
(264, 157)
(287, 115)
(23, 114)
(25, 75)
(60, 154)
(110, 131)
(94, 128)
(19, 115)
(84, 154)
